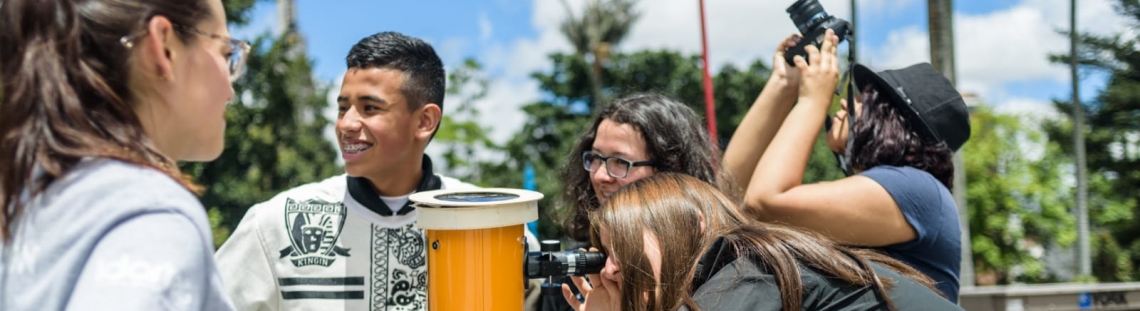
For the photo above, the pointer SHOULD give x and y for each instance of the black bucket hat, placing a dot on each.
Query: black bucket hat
(926, 98)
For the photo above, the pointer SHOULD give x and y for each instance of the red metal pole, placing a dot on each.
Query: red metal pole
(710, 113)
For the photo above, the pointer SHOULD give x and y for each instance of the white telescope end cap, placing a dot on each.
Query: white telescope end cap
(475, 208)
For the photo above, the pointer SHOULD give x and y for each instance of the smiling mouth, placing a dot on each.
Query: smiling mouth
(355, 148)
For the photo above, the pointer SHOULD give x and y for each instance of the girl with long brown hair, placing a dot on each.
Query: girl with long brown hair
(673, 241)
(100, 99)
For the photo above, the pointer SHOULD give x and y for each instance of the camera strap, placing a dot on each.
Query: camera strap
(844, 159)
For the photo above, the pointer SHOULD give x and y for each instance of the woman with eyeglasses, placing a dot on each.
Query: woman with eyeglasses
(100, 100)
(633, 138)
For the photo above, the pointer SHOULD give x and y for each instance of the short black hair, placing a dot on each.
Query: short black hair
(424, 76)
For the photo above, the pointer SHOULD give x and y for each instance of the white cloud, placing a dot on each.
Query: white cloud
(1011, 45)
(510, 66)
(890, 7)
(904, 46)
(486, 30)
(739, 31)
(451, 50)
(1005, 46)
(492, 110)
(1030, 110)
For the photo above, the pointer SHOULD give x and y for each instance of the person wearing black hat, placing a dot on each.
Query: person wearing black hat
(904, 127)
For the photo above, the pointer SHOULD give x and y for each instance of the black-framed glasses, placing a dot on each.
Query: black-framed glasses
(616, 167)
(235, 60)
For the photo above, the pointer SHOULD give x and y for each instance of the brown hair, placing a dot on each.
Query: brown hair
(671, 207)
(65, 90)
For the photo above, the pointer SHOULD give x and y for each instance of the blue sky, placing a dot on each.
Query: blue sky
(1002, 45)
(453, 27)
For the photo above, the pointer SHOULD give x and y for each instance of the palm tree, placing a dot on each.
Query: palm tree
(604, 24)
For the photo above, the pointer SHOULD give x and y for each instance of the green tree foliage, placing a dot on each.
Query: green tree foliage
(273, 131)
(460, 134)
(1014, 200)
(556, 122)
(1112, 141)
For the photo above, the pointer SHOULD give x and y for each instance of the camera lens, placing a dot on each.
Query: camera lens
(563, 263)
(583, 263)
(805, 14)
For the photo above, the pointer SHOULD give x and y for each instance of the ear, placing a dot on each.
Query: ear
(157, 49)
(429, 118)
(702, 215)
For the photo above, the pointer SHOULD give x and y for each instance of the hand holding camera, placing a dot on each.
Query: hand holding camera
(813, 22)
(785, 76)
(600, 294)
(819, 77)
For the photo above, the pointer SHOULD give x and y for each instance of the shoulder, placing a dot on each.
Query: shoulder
(739, 285)
(111, 188)
(882, 172)
(907, 294)
(329, 190)
(741, 272)
(905, 180)
(113, 177)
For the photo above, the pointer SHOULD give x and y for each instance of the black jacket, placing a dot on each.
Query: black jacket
(725, 283)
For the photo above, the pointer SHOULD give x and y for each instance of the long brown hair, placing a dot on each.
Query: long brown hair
(65, 90)
(671, 207)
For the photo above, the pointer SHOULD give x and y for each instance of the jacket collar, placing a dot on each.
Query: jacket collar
(362, 190)
(719, 254)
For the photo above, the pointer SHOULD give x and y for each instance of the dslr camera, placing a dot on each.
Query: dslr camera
(813, 22)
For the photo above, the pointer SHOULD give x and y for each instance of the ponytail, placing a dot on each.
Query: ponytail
(64, 95)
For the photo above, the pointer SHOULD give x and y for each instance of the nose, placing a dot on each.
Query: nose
(349, 122)
(611, 271)
(602, 174)
(230, 94)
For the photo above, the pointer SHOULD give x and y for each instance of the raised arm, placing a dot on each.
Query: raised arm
(855, 210)
(763, 118)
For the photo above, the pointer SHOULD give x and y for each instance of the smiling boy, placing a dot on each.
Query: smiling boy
(350, 242)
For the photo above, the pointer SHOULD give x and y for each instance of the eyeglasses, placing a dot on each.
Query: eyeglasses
(616, 167)
(235, 59)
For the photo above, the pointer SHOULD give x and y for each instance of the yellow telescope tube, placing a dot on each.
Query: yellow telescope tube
(476, 246)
